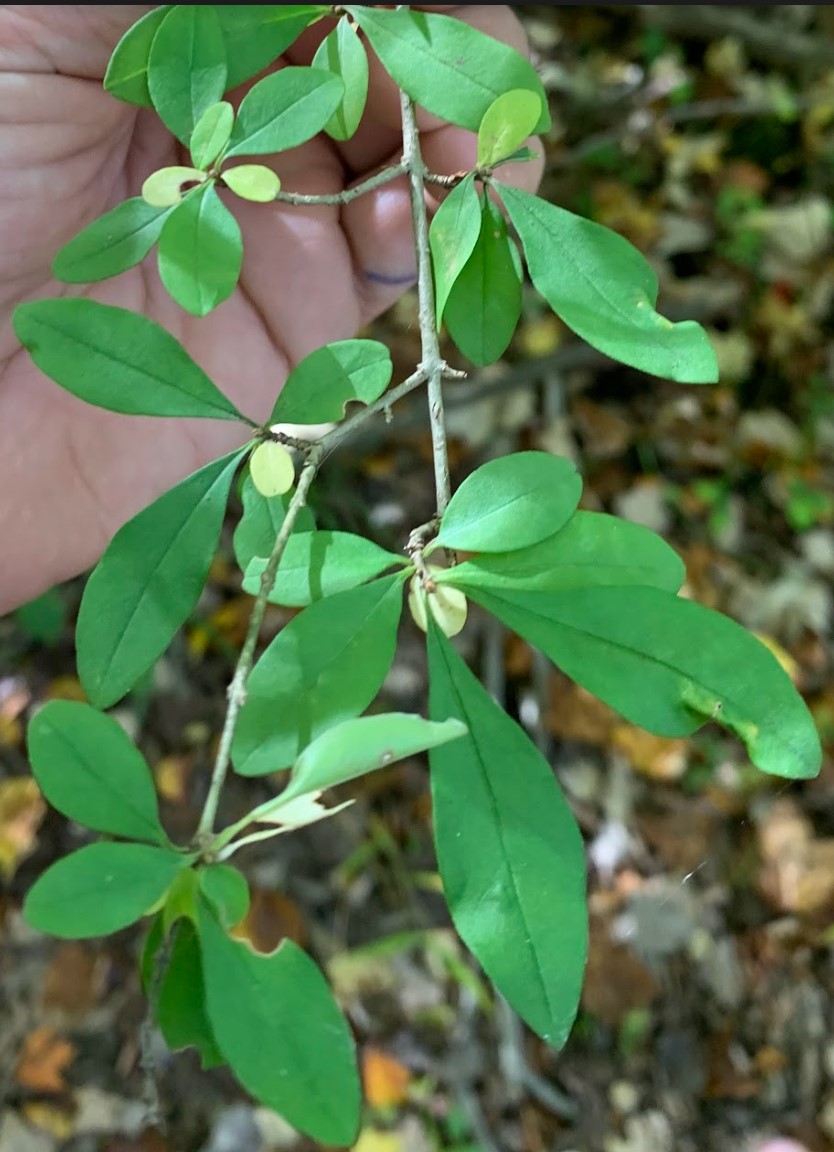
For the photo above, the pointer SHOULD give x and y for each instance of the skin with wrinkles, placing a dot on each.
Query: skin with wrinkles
(70, 475)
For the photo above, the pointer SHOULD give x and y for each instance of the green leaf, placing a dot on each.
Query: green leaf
(454, 232)
(272, 469)
(511, 502)
(506, 125)
(511, 857)
(44, 618)
(260, 523)
(357, 747)
(285, 110)
(200, 252)
(88, 769)
(320, 386)
(226, 891)
(318, 564)
(669, 665)
(115, 242)
(343, 54)
(605, 291)
(126, 77)
(181, 1004)
(151, 945)
(591, 549)
(448, 67)
(211, 134)
(325, 666)
(187, 67)
(164, 188)
(253, 182)
(100, 889)
(148, 581)
(484, 303)
(255, 35)
(117, 359)
(280, 1029)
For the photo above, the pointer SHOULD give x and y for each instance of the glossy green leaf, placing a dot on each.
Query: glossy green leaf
(187, 67)
(100, 889)
(148, 581)
(511, 502)
(200, 252)
(448, 67)
(117, 359)
(87, 768)
(279, 1027)
(320, 386)
(669, 665)
(605, 291)
(181, 1004)
(484, 303)
(511, 857)
(325, 666)
(211, 134)
(318, 564)
(44, 618)
(506, 125)
(260, 523)
(285, 110)
(126, 77)
(591, 549)
(115, 242)
(253, 182)
(454, 232)
(255, 35)
(226, 890)
(343, 54)
(357, 747)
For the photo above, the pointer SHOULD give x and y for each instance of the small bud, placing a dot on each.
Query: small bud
(271, 468)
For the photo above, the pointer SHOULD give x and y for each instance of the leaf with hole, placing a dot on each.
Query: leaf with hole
(255, 35)
(605, 291)
(325, 666)
(226, 891)
(200, 252)
(484, 303)
(357, 747)
(187, 67)
(511, 502)
(591, 549)
(511, 857)
(126, 77)
(343, 53)
(253, 182)
(448, 67)
(149, 580)
(284, 110)
(115, 242)
(101, 889)
(279, 1027)
(258, 527)
(164, 188)
(454, 232)
(320, 386)
(319, 564)
(507, 123)
(117, 359)
(211, 134)
(87, 768)
(181, 1004)
(669, 665)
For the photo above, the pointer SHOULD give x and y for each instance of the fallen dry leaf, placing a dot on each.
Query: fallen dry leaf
(171, 775)
(797, 870)
(574, 714)
(616, 981)
(43, 1061)
(657, 757)
(373, 1140)
(272, 916)
(74, 980)
(58, 1121)
(21, 811)
(386, 1080)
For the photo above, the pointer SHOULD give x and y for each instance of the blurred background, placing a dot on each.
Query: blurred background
(704, 134)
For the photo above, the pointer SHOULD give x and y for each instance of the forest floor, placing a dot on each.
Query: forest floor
(705, 134)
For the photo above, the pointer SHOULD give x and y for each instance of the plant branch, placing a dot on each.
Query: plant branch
(432, 363)
(302, 200)
(237, 688)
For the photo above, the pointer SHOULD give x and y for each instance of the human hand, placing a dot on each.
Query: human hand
(71, 474)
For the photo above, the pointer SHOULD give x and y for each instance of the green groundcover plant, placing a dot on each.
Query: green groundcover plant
(597, 595)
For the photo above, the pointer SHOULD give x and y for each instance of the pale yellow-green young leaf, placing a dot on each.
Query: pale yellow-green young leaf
(299, 811)
(446, 604)
(253, 182)
(507, 123)
(271, 468)
(163, 189)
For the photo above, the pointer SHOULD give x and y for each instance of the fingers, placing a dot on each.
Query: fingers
(72, 39)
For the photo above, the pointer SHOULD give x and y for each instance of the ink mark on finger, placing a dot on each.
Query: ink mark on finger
(391, 281)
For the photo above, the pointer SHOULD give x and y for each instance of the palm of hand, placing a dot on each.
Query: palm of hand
(72, 474)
